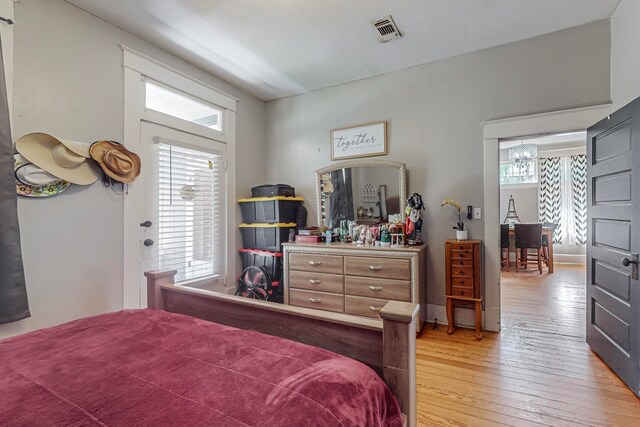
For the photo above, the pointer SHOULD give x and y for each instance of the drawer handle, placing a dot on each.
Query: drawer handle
(375, 267)
(461, 282)
(314, 282)
(375, 288)
(314, 300)
(461, 292)
(374, 308)
(314, 263)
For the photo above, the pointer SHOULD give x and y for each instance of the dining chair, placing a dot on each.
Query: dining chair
(528, 236)
(545, 240)
(504, 246)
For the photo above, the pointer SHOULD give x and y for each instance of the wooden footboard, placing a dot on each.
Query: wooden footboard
(389, 347)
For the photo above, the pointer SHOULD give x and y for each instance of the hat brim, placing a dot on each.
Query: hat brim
(38, 149)
(37, 191)
(97, 151)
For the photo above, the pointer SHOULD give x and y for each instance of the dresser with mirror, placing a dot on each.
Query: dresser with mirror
(348, 278)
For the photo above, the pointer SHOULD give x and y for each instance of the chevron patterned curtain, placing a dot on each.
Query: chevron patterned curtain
(579, 190)
(550, 204)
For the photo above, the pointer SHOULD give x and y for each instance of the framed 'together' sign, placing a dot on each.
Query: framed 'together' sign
(365, 140)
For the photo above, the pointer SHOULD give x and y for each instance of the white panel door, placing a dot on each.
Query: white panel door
(183, 210)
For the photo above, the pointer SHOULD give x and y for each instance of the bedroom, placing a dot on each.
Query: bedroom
(68, 81)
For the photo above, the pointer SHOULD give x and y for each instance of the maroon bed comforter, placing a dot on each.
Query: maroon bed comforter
(143, 367)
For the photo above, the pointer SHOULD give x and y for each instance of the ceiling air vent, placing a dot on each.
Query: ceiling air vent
(387, 29)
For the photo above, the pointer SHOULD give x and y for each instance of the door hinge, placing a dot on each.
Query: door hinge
(226, 165)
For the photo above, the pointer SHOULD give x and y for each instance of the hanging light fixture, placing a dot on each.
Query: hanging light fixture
(522, 154)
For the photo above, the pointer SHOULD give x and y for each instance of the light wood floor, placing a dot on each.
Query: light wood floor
(538, 371)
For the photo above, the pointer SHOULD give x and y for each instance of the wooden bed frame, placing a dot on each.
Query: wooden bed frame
(388, 347)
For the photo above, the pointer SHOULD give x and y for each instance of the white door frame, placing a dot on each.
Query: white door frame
(137, 67)
(577, 119)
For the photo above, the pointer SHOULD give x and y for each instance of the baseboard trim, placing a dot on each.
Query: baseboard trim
(559, 258)
(465, 317)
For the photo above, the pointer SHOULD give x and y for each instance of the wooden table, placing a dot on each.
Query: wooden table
(546, 231)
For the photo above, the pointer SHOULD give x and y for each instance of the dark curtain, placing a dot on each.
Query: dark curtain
(13, 292)
(341, 199)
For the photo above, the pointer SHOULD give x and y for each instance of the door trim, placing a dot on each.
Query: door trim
(577, 119)
(137, 66)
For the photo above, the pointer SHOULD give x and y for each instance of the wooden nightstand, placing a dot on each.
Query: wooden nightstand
(464, 280)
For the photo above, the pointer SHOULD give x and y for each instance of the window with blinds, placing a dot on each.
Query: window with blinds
(190, 209)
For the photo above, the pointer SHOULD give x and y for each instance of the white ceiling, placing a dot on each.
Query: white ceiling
(278, 48)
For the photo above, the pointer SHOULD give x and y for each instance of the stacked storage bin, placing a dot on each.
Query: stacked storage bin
(267, 217)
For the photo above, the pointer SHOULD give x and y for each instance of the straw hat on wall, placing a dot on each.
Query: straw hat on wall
(31, 181)
(116, 161)
(62, 158)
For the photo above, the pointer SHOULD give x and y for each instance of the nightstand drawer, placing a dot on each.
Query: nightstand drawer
(462, 253)
(462, 282)
(399, 290)
(361, 306)
(318, 300)
(388, 268)
(320, 263)
(461, 292)
(461, 271)
(461, 262)
(462, 247)
(313, 281)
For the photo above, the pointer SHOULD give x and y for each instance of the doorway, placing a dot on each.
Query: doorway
(544, 226)
(612, 149)
(493, 132)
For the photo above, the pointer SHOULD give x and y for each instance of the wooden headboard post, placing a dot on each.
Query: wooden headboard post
(155, 279)
(399, 354)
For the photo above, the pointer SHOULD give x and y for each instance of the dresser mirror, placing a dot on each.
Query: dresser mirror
(367, 191)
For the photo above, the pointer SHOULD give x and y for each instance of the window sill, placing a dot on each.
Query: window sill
(514, 186)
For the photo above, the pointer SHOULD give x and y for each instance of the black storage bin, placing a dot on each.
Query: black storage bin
(270, 209)
(270, 261)
(268, 237)
(271, 190)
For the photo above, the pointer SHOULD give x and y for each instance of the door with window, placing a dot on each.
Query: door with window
(183, 212)
(613, 217)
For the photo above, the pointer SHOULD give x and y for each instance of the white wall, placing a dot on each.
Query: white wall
(69, 82)
(525, 198)
(625, 53)
(434, 112)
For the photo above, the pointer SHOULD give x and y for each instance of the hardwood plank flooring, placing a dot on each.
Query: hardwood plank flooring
(538, 371)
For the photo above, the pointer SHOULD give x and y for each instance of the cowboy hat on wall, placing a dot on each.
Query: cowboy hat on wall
(116, 162)
(31, 181)
(64, 159)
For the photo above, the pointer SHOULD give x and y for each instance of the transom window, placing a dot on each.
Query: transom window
(182, 106)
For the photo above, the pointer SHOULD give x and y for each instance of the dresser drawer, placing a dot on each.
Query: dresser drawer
(461, 271)
(399, 290)
(319, 263)
(314, 281)
(462, 282)
(318, 300)
(461, 262)
(388, 268)
(361, 306)
(464, 249)
(466, 253)
(461, 292)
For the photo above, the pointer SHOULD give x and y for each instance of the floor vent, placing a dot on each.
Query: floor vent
(387, 29)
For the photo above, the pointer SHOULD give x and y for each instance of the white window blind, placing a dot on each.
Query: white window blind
(190, 206)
